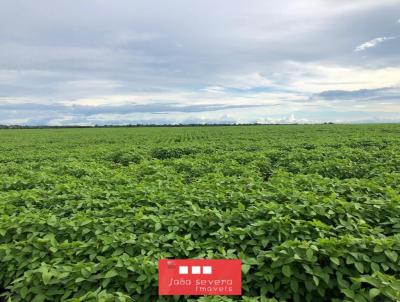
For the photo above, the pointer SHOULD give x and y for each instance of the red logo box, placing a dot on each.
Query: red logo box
(199, 277)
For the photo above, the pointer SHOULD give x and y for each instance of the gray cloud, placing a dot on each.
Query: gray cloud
(121, 109)
(379, 94)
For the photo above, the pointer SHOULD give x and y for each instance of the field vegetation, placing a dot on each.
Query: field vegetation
(313, 211)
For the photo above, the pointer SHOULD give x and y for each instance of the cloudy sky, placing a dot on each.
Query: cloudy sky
(117, 62)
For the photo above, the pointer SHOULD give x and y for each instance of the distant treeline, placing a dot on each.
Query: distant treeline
(140, 125)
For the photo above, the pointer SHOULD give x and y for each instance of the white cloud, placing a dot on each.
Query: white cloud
(372, 43)
(244, 81)
(214, 89)
(313, 77)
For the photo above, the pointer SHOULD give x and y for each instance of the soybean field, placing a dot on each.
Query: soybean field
(313, 211)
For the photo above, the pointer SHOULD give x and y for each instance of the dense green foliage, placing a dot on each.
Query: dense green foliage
(313, 211)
